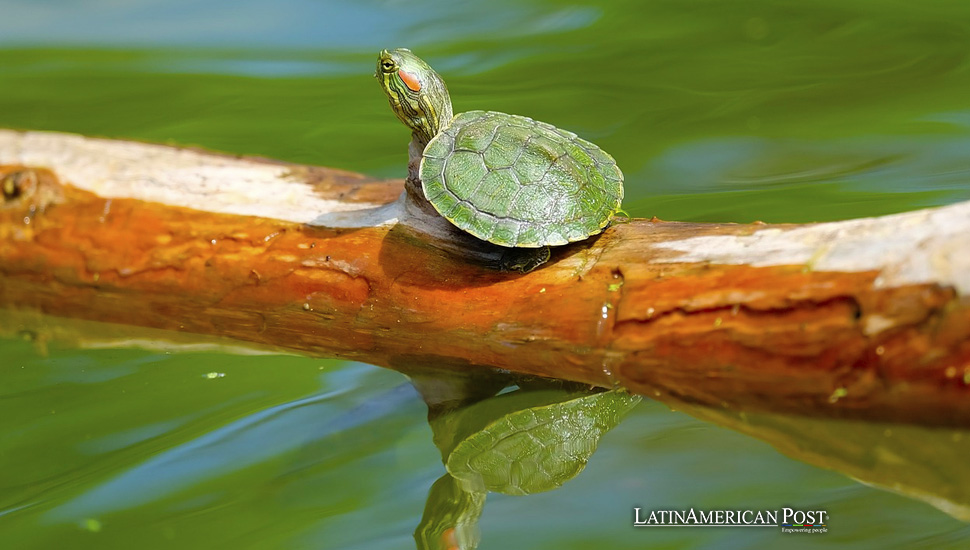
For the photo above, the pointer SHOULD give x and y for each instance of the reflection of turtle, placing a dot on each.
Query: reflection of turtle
(505, 179)
(527, 442)
(517, 443)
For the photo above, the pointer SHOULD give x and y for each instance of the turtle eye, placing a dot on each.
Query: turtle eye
(387, 66)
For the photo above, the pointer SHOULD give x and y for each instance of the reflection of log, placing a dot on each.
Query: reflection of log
(866, 318)
(928, 464)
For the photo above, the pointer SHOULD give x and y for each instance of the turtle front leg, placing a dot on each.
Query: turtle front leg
(524, 260)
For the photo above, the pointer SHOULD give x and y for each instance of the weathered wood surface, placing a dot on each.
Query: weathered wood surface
(864, 319)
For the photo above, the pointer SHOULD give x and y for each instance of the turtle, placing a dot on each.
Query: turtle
(506, 179)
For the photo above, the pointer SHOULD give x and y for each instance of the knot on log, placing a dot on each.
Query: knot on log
(28, 188)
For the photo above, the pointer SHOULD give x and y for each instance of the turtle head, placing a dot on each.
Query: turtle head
(416, 93)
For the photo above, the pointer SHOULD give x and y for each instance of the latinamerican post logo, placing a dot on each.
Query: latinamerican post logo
(789, 520)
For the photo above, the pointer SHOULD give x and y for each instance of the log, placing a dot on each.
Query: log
(866, 319)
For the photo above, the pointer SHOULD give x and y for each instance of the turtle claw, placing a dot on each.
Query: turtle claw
(524, 260)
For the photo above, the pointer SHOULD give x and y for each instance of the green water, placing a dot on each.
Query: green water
(716, 111)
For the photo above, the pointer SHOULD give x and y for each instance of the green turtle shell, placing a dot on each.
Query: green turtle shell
(518, 182)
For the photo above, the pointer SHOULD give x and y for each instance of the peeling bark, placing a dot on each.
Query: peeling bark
(865, 319)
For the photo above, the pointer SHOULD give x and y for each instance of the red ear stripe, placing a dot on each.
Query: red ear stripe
(410, 81)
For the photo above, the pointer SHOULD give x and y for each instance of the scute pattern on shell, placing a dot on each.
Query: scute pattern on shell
(518, 182)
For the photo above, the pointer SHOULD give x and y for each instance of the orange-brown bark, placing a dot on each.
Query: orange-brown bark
(605, 311)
